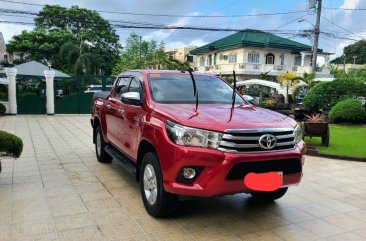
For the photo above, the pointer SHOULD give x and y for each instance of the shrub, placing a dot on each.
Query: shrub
(2, 109)
(10, 145)
(349, 110)
(325, 95)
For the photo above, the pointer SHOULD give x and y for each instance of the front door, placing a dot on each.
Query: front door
(113, 113)
(130, 120)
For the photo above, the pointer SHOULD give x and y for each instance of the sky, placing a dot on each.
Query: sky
(351, 24)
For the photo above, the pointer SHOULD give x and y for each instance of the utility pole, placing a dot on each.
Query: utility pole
(316, 36)
(344, 62)
(354, 59)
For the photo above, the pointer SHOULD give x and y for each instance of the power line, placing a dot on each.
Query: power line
(345, 9)
(342, 27)
(291, 21)
(129, 25)
(172, 15)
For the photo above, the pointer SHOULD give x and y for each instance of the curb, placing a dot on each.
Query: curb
(311, 152)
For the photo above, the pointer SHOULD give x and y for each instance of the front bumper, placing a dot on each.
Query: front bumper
(213, 181)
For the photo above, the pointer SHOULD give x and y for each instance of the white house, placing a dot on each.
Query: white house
(253, 52)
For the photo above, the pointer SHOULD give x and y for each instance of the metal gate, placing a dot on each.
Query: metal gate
(74, 95)
(31, 94)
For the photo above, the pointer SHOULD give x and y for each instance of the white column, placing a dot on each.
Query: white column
(303, 55)
(326, 58)
(50, 75)
(11, 74)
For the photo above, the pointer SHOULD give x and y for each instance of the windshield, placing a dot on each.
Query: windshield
(178, 88)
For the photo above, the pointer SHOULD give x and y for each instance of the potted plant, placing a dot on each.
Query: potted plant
(316, 126)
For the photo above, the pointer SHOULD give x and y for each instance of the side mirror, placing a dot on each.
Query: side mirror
(132, 98)
(248, 98)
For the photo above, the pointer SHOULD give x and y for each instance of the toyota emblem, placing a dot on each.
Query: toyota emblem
(267, 142)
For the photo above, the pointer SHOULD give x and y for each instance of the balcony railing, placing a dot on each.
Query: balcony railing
(259, 68)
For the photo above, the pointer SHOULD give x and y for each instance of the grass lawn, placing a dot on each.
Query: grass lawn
(345, 140)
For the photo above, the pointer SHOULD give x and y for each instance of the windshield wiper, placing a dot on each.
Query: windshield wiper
(234, 93)
(233, 97)
(195, 91)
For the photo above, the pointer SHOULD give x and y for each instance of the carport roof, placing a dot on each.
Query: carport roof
(36, 69)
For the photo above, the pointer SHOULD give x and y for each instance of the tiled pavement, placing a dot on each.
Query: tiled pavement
(58, 191)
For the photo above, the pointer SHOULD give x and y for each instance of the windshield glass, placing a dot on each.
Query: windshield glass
(178, 88)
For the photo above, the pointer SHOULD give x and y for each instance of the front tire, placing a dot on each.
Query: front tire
(157, 202)
(269, 196)
(100, 145)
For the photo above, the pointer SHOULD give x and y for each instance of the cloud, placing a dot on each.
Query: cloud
(352, 25)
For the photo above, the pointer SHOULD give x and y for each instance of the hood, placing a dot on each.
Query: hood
(220, 117)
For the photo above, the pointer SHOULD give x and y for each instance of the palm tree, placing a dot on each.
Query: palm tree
(81, 62)
(286, 80)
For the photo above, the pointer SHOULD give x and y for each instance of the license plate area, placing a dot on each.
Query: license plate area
(268, 181)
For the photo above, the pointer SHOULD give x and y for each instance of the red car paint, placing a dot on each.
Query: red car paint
(147, 124)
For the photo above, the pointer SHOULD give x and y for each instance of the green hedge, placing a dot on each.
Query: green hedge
(349, 110)
(327, 94)
(10, 145)
(2, 109)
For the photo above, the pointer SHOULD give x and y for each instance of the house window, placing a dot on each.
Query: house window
(253, 57)
(190, 58)
(171, 56)
(232, 58)
(202, 61)
(282, 59)
(270, 58)
(210, 59)
(297, 61)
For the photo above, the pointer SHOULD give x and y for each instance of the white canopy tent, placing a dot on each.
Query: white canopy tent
(4, 81)
(270, 84)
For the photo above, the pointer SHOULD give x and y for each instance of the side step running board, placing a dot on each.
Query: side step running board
(123, 160)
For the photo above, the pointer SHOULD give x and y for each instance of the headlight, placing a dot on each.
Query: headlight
(187, 136)
(298, 134)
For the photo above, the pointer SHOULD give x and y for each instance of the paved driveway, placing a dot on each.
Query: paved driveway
(58, 191)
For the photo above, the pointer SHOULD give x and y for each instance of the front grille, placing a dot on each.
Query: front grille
(287, 166)
(248, 140)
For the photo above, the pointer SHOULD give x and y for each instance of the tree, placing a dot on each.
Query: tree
(40, 45)
(286, 80)
(140, 55)
(56, 25)
(83, 62)
(357, 49)
(144, 54)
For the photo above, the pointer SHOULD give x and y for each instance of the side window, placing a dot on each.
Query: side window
(135, 86)
(122, 86)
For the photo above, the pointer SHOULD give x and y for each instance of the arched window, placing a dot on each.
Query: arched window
(270, 58)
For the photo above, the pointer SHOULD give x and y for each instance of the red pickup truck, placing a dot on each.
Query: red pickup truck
(190, 134)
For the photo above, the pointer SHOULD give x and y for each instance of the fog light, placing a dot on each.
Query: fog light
(189, 173)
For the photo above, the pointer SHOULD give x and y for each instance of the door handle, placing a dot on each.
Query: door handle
(120, 111)
(108, 106)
